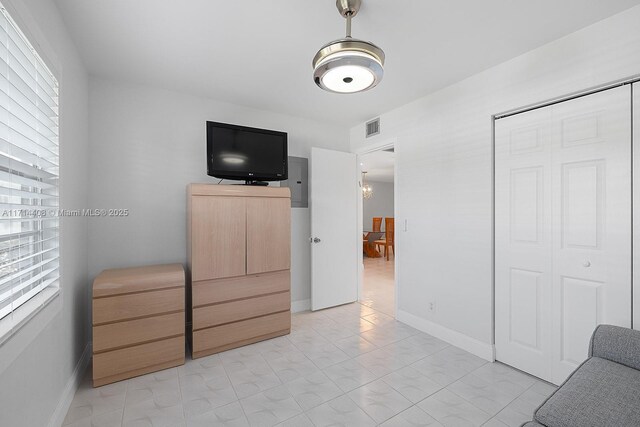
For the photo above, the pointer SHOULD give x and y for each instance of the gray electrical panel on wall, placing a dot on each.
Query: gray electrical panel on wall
(298, 182)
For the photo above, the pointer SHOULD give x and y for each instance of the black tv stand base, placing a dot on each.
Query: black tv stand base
(259, 183)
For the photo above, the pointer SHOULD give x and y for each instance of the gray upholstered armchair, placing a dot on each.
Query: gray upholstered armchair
(604, 390)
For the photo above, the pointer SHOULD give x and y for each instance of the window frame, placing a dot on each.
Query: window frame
(18, 15)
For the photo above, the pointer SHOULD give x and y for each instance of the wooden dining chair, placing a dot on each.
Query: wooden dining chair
(377, 223)
(389, 240)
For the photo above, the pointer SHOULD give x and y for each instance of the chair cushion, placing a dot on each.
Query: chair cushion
(599, 393)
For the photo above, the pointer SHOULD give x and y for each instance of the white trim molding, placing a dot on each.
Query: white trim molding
(57, 419)
(472, 345)
(302, 305)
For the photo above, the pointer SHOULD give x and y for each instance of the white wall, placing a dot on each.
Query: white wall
(443, 147)
(146, 145)
(37, 363)
(380, 204)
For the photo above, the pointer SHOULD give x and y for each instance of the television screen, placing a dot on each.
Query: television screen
(244, 153)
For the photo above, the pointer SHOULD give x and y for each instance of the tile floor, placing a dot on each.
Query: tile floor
(347, 366)
(378, 283)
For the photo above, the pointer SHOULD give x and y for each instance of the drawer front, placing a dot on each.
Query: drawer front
(138, 357)
(227, 312)
(137, 279)
(223, 290)
(132, 332)
(123, 307)
(220, 336)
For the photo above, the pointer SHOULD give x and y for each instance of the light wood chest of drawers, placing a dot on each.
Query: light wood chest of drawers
(239, 256)
(138, 321)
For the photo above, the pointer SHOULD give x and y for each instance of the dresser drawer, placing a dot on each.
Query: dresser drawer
(219, 338)
(136, 279)
(123, 307)
(131, 332)
(222, 290)
(132, 361)
(227, 312)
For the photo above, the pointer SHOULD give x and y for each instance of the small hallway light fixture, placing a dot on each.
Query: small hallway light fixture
(367, 190)
(348, 65)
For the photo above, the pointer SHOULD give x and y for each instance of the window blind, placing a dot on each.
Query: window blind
(29, 169)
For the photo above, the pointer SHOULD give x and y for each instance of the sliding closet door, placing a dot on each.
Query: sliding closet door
(563, 230)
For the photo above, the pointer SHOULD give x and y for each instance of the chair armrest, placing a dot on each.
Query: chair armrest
(620, 345)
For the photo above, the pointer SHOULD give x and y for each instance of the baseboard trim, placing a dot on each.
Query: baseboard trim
(302, 305)
(472, 345)
(70, 390)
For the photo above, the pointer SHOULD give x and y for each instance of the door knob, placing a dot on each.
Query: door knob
(316, 240)
(587, 264)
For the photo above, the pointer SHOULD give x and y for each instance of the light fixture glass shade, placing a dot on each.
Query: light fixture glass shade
(348, 65)
(367, 191)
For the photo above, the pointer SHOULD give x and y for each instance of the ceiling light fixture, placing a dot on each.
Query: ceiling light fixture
(348, 65)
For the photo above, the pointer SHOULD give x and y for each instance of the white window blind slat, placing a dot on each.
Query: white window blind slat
(26, 296)
(12, 194)
(23, 272)
(8, 177)
(25, 234)
(23, 155)
(20, 106)
(16, 166)
(29, 170)
(9, 265)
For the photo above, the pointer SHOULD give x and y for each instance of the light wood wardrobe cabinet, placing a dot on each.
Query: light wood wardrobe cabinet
(239, 252)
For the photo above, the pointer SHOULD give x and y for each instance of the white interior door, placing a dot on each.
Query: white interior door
(334, 232)
(563, 230)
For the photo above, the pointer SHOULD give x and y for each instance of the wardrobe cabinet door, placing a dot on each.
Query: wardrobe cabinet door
(218, 237)
(268, 234)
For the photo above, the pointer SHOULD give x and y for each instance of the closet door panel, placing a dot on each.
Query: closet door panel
(591, 221)
(523, 241)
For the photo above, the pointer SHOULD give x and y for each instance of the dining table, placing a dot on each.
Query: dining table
(368, 243)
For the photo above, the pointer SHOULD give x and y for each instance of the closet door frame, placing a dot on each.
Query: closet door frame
(634, 87)
(635, 207)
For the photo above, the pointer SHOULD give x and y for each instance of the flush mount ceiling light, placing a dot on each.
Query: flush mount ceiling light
(348, 65)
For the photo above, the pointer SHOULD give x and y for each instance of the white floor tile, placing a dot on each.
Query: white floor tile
(412, 417)
(270, 407)
(230, 415)
(340, 412)
(313, 390)
(452, 410)
(379, 400)
(349, 375)
(412, 384)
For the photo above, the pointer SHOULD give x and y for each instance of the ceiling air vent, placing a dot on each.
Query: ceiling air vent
(372, 127)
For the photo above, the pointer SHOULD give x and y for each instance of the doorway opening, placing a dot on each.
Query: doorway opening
(377, 289)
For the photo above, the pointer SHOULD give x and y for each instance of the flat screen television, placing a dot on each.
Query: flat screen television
(245, 153)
